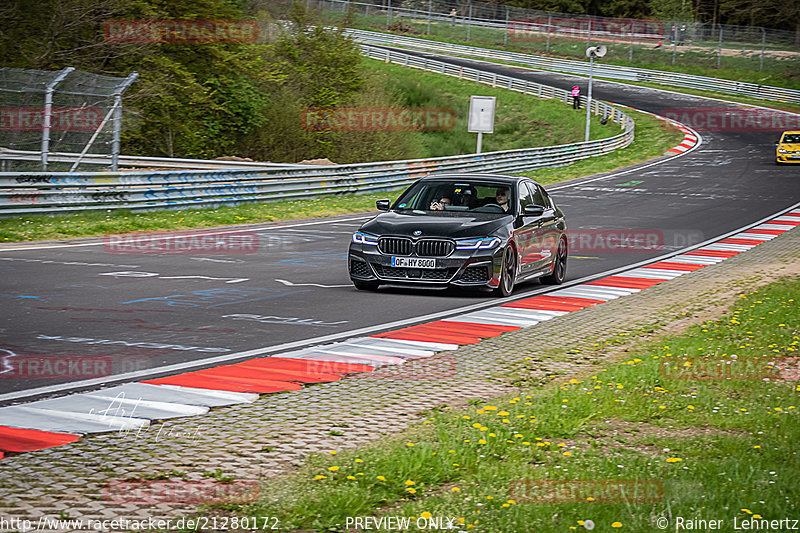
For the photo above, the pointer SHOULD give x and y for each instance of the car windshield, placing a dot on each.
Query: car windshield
(456, 196)
(791, 138)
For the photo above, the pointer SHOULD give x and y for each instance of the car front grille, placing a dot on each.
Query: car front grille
(434, 248)
(422, 248)
(437, 274)
(395, 245)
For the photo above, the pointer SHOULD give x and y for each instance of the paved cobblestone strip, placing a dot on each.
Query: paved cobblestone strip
(271, 436)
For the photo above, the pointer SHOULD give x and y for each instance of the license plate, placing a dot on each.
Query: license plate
(796, 156)
(413, 262)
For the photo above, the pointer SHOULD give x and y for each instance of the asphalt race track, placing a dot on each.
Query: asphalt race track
(107, 313)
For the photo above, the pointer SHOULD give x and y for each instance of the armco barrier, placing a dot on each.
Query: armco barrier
(601, 70)
(35, 192)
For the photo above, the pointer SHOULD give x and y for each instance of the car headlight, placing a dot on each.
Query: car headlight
(781, 150)
(365, 238)
(483, 243)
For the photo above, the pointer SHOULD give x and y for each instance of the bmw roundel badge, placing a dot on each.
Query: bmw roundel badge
(417, 232)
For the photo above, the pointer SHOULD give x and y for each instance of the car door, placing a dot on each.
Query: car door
(527, 233)
(548, 232)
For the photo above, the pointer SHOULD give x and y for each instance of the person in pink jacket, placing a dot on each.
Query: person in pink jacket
(576, 97)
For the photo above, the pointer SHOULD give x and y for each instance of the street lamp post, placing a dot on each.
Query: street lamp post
(591, 53)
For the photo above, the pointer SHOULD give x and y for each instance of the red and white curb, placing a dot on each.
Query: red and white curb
(55, 422)
(690, 139)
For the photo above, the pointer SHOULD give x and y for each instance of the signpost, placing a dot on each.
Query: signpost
(481, 116)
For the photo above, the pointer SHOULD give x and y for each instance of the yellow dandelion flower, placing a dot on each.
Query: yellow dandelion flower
(320, 477)
(381, 478)
(359, 460)
(333, 468)
(674, 459)
(411, 490)
(616, 524)
(351, 477)
(409, 482)
(455, 489)
(425, 514)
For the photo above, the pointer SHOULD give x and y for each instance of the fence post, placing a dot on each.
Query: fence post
(763, 45)
(630, 52)
(675, 33)
(719, 48)
(469, 21)
(48, 108)
(505, 38)
(430, 10)
(547, 49)
(589, 33)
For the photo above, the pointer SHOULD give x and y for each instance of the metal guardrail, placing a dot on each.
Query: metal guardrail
(138, 161)
(33, 193)
(676, 79)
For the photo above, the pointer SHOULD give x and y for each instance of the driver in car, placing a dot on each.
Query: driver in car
(440, 205)
(501, 198)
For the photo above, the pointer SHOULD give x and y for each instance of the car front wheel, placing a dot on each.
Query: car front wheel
(508, 273)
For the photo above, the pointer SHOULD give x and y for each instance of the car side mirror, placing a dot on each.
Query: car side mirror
(383, 205)
(534, 210)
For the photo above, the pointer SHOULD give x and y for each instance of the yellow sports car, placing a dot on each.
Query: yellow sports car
(787, 149)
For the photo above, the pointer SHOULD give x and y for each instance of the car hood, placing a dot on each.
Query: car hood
(454, 226)
(789, 146)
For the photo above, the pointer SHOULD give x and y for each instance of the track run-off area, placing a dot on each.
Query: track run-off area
(105, 314)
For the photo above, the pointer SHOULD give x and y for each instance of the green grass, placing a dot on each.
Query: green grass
(523, 121)
(653, 138)
(705, 449)
(701, 59)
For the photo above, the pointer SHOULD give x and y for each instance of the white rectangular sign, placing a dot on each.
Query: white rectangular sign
(481, 114)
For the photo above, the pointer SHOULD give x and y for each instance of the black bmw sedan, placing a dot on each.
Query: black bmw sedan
(468, 230)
